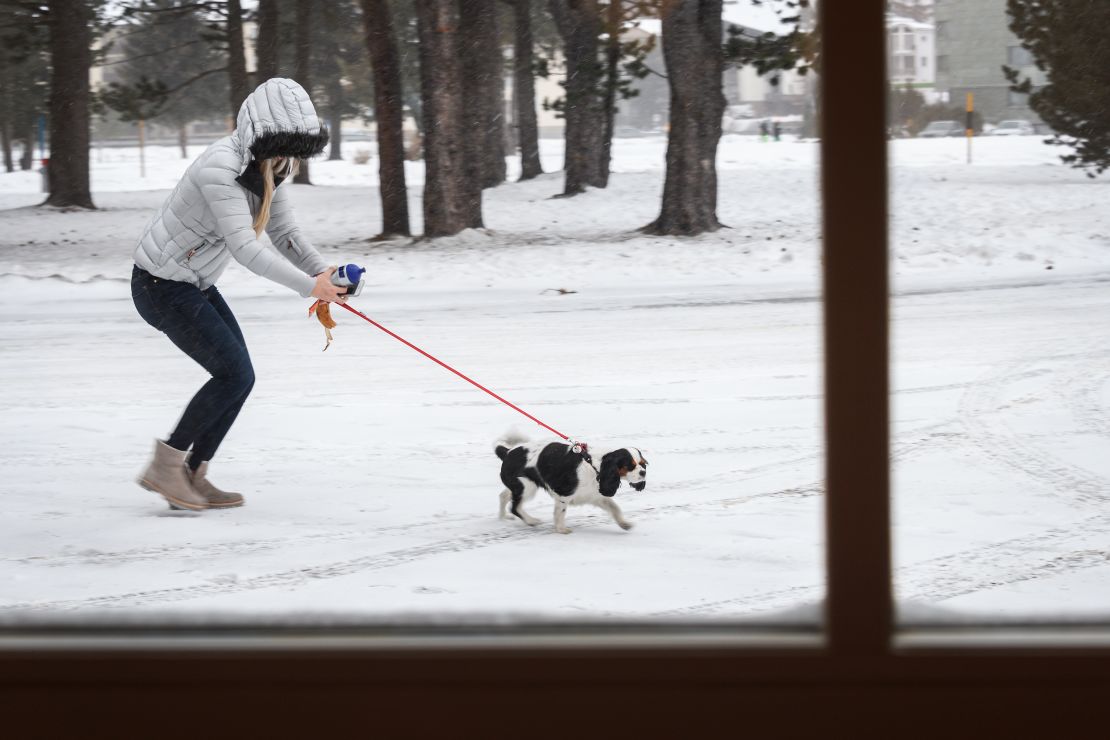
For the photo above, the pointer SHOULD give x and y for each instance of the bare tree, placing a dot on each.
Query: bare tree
(524, 90)
(694, 56)
(70, 24)
(483, 87)
(450, 203)
(267, 44)
(579, 24)
(389, 115)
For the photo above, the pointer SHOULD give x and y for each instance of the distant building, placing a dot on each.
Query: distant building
(973, 43)
(918, 10)
(745, 88)
(911, 50)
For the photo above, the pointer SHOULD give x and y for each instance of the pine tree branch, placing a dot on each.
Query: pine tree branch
(153, 53)
(195, 78)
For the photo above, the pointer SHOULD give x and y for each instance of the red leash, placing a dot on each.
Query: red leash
(407, 343)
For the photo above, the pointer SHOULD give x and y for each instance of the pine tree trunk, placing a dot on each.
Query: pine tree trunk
(483, 88)
(6, 115)
(267, 45)
(71, 57)
(6, 142)
(389, 113)
(27, 158)
(579, 24)
(524, 92)
(303, 67)
(335, 126)
(693, 55)
(451, 204)
(6, 124)
(811, 117)
(238, 84)
(614, 16)
(183, 139)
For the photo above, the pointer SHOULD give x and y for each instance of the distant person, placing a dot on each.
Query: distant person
(763, 131)
(217, 212)
(778, 131)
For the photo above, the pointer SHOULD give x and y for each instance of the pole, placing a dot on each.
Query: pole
(970, 126)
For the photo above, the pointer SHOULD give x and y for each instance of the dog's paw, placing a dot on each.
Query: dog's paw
(564, 530)
(625, 525)
(531, 522)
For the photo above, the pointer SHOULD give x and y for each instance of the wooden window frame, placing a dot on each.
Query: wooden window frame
(860, 676)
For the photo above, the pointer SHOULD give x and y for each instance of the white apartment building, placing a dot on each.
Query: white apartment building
(912, 52)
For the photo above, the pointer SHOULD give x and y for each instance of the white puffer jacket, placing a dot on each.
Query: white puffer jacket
(207, 218)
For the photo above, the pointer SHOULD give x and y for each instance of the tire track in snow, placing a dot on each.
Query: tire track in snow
(1017, 560)
(980, 411)
(220, 549)
(1086, 402)
(1040, 555)
(288, 577)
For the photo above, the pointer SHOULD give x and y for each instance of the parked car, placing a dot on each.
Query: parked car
(1014, 128)
(937, 129)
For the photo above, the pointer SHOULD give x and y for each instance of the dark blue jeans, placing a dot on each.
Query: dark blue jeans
(203, 327)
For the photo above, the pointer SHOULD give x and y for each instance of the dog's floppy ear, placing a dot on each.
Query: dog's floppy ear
(609, 477)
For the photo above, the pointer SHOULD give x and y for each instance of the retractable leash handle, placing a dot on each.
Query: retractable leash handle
(348, 276)
(579, 446)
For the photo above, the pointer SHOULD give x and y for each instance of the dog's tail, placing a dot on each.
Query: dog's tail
(508, 441)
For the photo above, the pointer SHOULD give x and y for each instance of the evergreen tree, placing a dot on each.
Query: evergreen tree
(451, 202)
(524, 88)
(799, 50)
(1068, 41)
(382, 48)
(580, 24)
(340, 63)
(695, 63)
(483, 73)
(24, 79)
(624, 63)
(223, 29)
(169, 73)
(268, 16)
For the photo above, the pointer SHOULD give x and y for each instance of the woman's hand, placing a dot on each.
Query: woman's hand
(325, 291)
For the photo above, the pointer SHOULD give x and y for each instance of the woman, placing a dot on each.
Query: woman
(226, 199)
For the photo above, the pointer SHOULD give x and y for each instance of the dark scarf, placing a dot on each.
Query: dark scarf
(251, 179)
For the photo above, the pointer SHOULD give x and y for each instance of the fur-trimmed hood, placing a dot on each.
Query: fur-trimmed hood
(278, 120)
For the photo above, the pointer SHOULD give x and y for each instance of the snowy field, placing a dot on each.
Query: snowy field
(369, 474)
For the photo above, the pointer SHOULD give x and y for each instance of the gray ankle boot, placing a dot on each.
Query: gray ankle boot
(167, 475)
(216, 498)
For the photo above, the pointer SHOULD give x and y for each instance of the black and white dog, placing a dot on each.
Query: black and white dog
(570, 477)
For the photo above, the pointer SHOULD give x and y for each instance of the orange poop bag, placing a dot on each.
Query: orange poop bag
(323, 313)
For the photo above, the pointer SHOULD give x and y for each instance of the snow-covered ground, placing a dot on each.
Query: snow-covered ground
(369, 474)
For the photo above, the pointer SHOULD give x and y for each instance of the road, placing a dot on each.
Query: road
(372, 487)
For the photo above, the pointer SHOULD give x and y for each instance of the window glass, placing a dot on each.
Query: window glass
(999, 253)
(371, 481)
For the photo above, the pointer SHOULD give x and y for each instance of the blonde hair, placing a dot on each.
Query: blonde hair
(287, 168)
